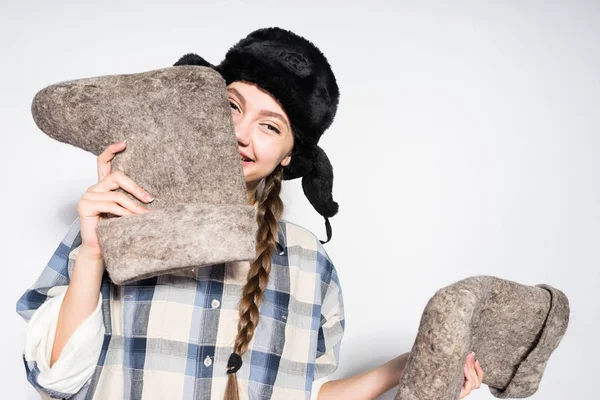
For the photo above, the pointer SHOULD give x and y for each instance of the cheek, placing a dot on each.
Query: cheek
(266, 151)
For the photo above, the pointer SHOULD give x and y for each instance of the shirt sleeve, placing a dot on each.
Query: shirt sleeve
(39, 306)
(331, 330)
(56, 273)
(78, 358)
(316, 387)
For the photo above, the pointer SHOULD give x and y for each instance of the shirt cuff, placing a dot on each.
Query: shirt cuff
(316, 386)
(79, 356)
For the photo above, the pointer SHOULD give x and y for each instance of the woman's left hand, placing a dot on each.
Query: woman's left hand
(473, 376)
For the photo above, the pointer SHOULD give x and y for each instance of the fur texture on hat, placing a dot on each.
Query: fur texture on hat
(512, 328)
(296, 73)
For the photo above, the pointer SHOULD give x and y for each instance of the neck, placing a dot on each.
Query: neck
(251, 187)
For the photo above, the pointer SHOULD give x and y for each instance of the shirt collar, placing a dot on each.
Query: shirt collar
(281, 240)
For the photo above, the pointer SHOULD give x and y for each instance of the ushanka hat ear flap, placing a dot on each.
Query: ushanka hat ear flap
(512, 328)
(317, 184)
(193, 59)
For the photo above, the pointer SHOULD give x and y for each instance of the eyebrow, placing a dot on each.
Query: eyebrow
(265, 113)
(239, 95)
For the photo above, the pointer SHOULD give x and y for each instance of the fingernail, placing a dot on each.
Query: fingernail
(477, 362)
(125, 141)
(147, 196)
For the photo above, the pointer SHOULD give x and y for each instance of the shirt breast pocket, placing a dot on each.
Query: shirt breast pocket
(270, 334)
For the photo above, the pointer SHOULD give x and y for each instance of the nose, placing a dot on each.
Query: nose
(242, 132)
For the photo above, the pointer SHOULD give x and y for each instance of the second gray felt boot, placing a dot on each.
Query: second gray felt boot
(512, 328)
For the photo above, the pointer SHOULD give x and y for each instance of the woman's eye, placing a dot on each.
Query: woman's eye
(233, 106)
(273, 128)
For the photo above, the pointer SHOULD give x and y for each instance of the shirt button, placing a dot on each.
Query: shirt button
(207, 361)
(215, 303)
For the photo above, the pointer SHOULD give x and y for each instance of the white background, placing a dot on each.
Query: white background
(465, 144)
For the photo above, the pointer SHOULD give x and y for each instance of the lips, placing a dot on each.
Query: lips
(245, 158)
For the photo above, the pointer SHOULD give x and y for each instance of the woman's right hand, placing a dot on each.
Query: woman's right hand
(102, 198)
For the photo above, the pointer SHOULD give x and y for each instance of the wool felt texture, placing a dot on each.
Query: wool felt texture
(512, 328)
(181, 148)
(296, 73)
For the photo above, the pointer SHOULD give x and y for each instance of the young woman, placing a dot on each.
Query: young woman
(270, 329)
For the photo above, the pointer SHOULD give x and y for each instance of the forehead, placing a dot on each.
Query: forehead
(255, 94)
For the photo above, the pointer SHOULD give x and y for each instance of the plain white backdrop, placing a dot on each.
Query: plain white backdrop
(466, 143)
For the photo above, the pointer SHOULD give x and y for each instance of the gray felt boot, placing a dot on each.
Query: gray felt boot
(512, 328)
(181, 148)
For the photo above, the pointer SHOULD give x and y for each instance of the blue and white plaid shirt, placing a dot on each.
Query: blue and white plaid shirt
(170, 337)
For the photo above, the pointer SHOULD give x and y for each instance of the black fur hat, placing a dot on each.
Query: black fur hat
(297, 74)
